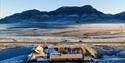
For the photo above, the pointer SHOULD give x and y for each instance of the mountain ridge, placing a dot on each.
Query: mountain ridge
(65, 13)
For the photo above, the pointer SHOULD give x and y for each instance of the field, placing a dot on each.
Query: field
(100, 36)
(84, 32)
(97, 34)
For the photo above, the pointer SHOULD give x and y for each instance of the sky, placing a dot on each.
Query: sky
(9, 7)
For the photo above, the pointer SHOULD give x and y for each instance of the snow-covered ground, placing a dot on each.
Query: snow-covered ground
(18, 59)
(14, 52)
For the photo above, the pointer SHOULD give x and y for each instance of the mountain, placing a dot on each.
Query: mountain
(120, 16)
(74, 14)
(75, 10)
